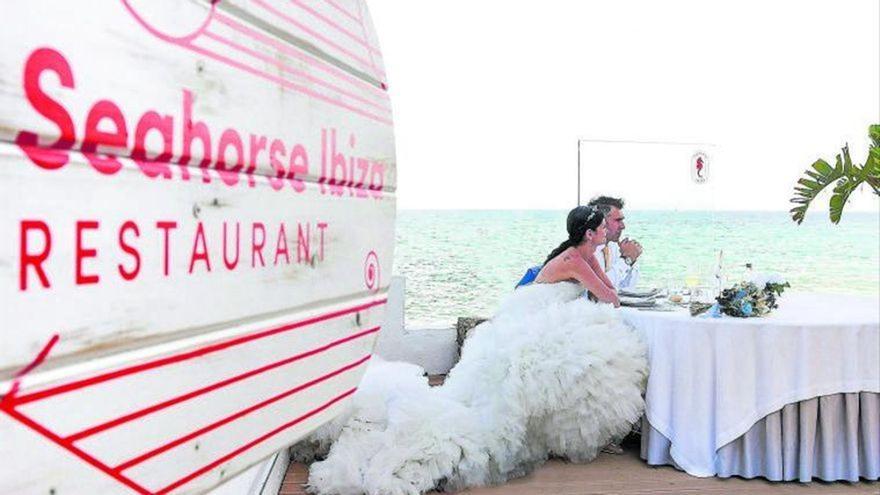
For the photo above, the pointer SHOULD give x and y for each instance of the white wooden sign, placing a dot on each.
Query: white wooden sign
(197, 200)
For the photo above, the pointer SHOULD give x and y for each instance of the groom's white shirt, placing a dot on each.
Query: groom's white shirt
(622, 275)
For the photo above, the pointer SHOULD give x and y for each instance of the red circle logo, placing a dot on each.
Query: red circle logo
(371, 271)
(170, 20)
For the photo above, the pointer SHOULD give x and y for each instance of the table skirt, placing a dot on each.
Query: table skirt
(832, 437)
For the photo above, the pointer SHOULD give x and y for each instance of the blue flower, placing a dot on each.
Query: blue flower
(747, 308)
(740, 294)
(715, 311)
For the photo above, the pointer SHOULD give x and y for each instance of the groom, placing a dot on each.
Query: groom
(617, 257)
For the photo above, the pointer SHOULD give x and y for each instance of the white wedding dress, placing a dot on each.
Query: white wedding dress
(551, 374)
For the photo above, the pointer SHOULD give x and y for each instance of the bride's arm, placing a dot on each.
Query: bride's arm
(594, 264)
(589, 278)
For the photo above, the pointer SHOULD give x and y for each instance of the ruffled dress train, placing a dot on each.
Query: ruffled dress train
(551, 374)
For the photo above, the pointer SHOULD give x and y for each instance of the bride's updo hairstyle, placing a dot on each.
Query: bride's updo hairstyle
(580, 220)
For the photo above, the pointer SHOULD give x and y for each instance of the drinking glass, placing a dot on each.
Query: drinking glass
(692, 279)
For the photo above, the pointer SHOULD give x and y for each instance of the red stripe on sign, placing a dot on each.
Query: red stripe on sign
(252, 443)
(364, 30)
(210, 388)
(330, 22)
(217, 424)
(290, 70)
(288, 50)
(365, 64)
(287, 84)
(86, 382)
(21, 418)
(341, 9)
(16, 381)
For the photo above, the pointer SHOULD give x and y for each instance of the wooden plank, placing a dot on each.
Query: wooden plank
(325, 200)
(338, 29)
(175, 288)
(260, 89)
(197, 410)
(624, 474)
(199, 204)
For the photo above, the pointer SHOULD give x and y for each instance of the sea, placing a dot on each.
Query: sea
(463, 262)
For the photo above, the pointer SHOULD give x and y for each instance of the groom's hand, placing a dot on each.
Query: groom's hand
(630, 250)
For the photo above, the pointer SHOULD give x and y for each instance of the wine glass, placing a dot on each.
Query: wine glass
(691, 280)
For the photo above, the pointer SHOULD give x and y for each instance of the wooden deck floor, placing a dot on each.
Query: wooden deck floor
(625, 474)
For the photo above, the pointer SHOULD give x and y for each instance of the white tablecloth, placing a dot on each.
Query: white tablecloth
(711, 379)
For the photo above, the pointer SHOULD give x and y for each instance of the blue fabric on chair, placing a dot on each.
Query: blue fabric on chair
(529, 277)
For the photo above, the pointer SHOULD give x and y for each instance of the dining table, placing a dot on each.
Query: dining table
(792, 395)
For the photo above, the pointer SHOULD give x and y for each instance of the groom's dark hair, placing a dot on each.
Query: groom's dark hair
(606, 202)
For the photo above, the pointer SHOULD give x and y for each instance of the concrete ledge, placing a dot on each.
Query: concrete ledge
(434, 349)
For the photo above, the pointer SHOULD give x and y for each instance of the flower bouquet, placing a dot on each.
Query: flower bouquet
(756, 297)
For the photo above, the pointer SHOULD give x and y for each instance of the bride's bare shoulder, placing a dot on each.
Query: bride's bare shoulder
(560, 267)
(567, 257)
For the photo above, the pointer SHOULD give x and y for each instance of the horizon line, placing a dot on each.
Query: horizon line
(809, 213)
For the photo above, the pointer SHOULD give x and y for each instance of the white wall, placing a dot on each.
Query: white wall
(433, 349)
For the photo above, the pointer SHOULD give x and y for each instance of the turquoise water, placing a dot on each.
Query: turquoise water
(459, 263)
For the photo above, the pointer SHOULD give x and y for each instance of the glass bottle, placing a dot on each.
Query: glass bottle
(719, 273)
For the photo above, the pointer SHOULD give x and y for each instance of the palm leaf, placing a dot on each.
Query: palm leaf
(841, 194)
(844, 175)
(822, 176)
(874, 134)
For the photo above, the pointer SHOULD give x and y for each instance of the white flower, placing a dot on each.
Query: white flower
(762, 279)
(759, 279)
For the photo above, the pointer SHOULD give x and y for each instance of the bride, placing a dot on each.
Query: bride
(574, 259)
(552, 374)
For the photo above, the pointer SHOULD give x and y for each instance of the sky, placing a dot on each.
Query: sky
(490, 98)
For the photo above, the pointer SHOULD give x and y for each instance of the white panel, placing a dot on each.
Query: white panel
(197, 200)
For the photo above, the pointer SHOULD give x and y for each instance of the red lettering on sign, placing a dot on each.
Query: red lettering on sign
(26, 258)
(377, 179)
(299, 166)
(104, 109)
(323, 178)
(364, 166)
(277, 148)
(258, 144)
(228, 139)
(321, 227)
(230, 265)
(51, 156)
(302, 244)
(339, 172)
(282, 239)
(337, 164)
(129, 249)
(200, 249)
(191, 131)
(83, 253)
(257, 247)
(165, 227)
(158, 165)
(105, 143)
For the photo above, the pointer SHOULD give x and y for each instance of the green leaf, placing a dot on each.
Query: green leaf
(811, 184)
(844, 177)
(798, 214)
(822, 167)
(874, 134)
(835, 207)
(847, 161)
